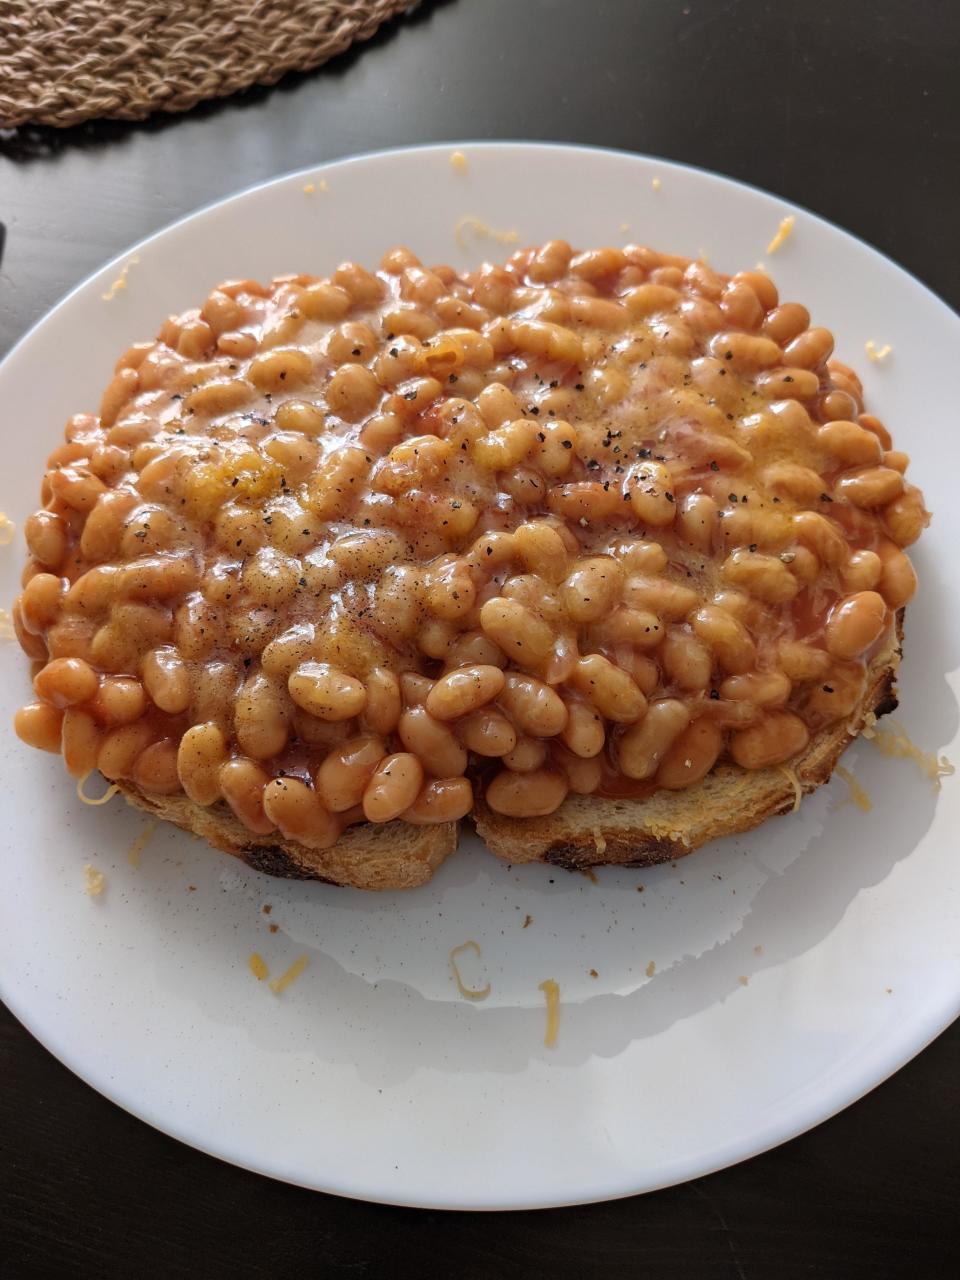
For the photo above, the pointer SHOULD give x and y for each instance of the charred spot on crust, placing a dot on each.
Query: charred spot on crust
(273, 861)
(573, 856)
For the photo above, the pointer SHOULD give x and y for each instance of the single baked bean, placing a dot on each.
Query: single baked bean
(697, 521)
(382, 710)
(668, 600)
(762, 688)
(871, 423)
(592, 589)
(155, 769)
(80, 742)
(855, 624)
(527, 795)
(166, 679)
(527, 755)
(862, 571)
(441, 800)
(203, 750)
(801, 661)
(745, 353)
(727, 638)
(296, 809)
(34, 646)
(464, 690)
(120, 389)
(849, 443)
(343, 776)
(809, 349)
(871, 487)
(243, 783)
(584, 732)
(260, 717)
(636, 627)
(46, 535)
(364, 289)
(64, 682)
(906, 517)
(39, 725)
(119, 700)
(786, 322)
(741, 306)
(762, 286)
(158, 577)
(524, 637)
(585, 500)
(121, 747)
(326, 691)
(686, 660)
(583, 776)
(533, 706)
(609, 688)
(790, 480)
(692, 755)
(487, 732)
(40, 602)
(822, 537)
(651, 496)
(643, 745)
(898, 578)
(639, 556)
(69, 638)
(393, 787)
(777, 737)
(836, 693)
(433, 741)
(541, 549)
(648, 299)
(414, 688)
(763, 576)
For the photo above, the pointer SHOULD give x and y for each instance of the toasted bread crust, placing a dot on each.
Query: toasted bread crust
(586, 831)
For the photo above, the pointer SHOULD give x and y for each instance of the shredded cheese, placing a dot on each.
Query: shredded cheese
(110, 792)
(743, 980)
(469, 993)
(120, 282)
(600, 840)
(651, 969)
(7, 528)
(874, 353)
(791, 777)
(458, 162)
(140, 843)
(6, 626)
(258, 966)
(309, 188)
(95, 881)
(857, 793)
(894, 742)
(480, 229)
(656, 184)
(784, 231)
(292, 974)
(551, 993)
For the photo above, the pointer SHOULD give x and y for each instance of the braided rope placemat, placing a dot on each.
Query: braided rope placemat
(65, 61)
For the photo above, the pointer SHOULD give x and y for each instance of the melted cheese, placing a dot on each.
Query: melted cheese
(895, 743)
(291, 975)
(110, 792)
(468, 993)
(94, 881)
(784, 231)
(258, 966)
(140, 843)
(857, 793)
(469, 222)
(551, 993)
(120, 282)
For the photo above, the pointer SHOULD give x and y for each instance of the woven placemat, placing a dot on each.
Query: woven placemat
(65, 61)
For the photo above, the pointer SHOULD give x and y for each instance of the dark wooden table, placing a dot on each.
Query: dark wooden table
(852, 109)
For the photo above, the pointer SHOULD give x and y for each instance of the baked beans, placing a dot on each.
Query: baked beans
(334, 546)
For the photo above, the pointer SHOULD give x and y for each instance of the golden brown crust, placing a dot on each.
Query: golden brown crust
(394, 855)
(588, 832)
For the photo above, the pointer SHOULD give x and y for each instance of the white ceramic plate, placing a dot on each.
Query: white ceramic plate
(794, 968)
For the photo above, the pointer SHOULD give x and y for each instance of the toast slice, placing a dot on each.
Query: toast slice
(588, 831)
(391, 855)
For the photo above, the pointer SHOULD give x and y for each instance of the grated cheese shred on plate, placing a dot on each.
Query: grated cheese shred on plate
(108, 795)
(784, 231)
(6, 626)
(551, 993)
(877, 354)
(791, 777)
(258, 966)
(309, 188)
(7, 529)
(894, 742)
(140, 843)
(469, 222)
(120, 282)
(656, 183)
(94, 881)
(280, 984)
(857, 793)
(469, 993)
(458, 162)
